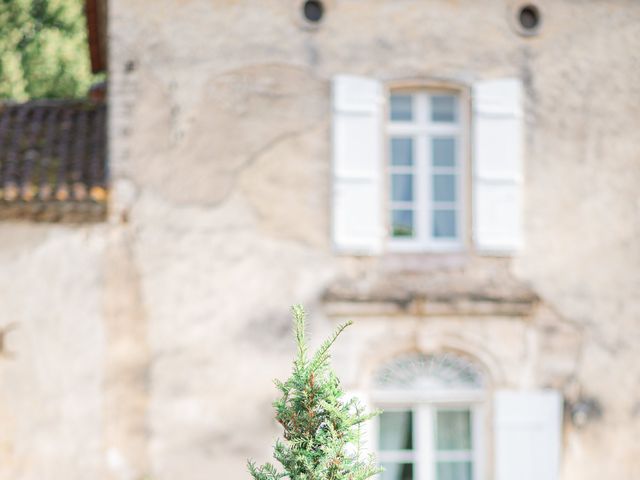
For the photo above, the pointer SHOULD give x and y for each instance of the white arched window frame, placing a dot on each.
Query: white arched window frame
(419, 394)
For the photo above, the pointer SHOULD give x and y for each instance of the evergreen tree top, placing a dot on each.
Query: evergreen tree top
(322, 430)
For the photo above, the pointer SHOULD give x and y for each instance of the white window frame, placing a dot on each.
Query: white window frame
(424, 456)
(422, 129)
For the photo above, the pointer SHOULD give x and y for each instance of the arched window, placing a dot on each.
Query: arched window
(431, 427)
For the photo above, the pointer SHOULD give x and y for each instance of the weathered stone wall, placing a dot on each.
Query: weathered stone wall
(53, 358)
(166, 325)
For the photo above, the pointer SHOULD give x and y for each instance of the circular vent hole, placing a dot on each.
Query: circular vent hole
(529, 18)
(313, 10)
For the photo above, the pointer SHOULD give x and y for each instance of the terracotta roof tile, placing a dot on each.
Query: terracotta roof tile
(52, 156)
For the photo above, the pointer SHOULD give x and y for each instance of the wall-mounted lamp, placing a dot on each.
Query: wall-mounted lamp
(584, 410)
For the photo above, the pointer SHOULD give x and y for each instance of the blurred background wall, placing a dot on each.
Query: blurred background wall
(140, 334)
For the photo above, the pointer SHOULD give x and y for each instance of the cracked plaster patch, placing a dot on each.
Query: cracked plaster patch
(242, 115)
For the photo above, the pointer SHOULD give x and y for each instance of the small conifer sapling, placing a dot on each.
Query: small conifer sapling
(322, 429)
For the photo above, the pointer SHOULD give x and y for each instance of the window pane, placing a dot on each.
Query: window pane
(402, 187)
(443, 108)
(401, 151)
(396, 431)
(444, 224)
(444, 188)
(444, 152)
(453, 430)
(454, 471)
(402, 223)
(397, 471)
(401, 108)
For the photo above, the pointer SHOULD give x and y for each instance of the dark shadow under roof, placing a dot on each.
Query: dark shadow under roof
(53, 160)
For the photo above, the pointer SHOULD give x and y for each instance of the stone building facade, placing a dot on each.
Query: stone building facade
(144, 346)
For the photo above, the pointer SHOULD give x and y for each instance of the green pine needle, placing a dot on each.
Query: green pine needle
(321, 430)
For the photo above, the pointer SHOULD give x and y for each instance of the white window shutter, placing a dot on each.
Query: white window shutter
(497, 165)
(527, 428)
(357, 165)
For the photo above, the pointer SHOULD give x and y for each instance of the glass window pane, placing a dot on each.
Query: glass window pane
(402, 223)
(443, 108)
(443, 152)
(454, 471)
(444, 187)
(453, 430)
(396, 431)
(402, 187)
(444, 224)
(401, 151)
(397, 471)
(401, 108)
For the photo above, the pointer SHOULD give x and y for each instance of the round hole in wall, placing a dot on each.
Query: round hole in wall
(313, 10)
(529, 18)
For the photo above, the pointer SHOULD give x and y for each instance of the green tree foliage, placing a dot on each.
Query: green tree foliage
(321, 430)
(43, 49)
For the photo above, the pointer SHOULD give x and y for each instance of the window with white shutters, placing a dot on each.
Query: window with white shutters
(418, 199)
